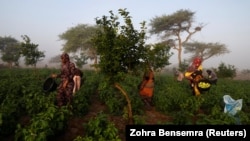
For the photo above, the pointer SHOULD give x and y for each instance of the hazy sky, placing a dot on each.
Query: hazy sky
(227, 22)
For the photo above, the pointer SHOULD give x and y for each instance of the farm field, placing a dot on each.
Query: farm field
(99, 112)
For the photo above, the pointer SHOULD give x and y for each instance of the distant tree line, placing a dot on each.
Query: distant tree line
(12, 50)
(174, 31)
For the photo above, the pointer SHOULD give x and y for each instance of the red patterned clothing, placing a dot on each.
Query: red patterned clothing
(65, 89)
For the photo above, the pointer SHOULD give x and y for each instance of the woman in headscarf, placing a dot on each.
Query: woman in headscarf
(146, 88)
(194, 74)
(65, 89)
(212, 77)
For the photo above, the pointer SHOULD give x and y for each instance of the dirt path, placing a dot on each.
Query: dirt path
(155, 117)
(75, 125)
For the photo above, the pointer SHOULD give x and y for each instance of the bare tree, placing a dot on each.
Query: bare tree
(175, 29)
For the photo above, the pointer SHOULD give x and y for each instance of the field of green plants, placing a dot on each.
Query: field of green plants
(22, 97)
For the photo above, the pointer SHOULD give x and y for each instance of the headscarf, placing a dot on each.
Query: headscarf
(197, 61)
(65, 57)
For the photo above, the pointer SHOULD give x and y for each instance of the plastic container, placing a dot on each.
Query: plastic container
(204, 85)
(49, 85)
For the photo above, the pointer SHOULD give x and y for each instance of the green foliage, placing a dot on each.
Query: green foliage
(171, 27)
(21, 96)
(122, 51)
(115, 101)
(111, 97)
(168, 23)
(120, 46)
(81, 100)
(169, 95)
(158, 56)
(8, 115)
(205, 50)
(82, 60)
(44, 124)
(10, 50)
(138, 120)
(192, 104)
(226, 71)
(182, 118)
(216, 117)
(100, 129)
(79, 38)
(30, 52)
(130, 84)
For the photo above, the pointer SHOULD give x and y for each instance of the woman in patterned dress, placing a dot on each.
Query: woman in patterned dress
(65, 89)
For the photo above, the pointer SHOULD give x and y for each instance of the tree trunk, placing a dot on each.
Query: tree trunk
(9, 65)
(95, 64)
(130, 116)
(179, 55)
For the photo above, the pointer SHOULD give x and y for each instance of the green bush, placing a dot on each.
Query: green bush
(226, 71)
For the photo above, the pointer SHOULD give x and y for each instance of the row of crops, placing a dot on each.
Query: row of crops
(28, 113)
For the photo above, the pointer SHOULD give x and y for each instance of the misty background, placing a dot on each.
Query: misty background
(227, 22)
